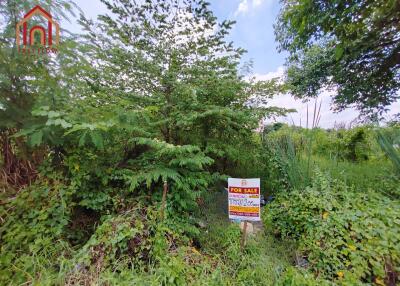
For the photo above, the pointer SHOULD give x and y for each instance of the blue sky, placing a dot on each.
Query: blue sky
(254, 32)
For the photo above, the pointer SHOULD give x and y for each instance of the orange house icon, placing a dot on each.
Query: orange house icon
(46, 37)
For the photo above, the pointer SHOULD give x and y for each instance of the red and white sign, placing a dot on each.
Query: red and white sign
(244, 199)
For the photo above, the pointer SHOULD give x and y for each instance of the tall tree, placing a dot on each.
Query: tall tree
(353, 46)
(172, 58)
(27, 81)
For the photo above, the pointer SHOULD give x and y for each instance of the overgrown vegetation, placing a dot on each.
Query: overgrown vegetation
(345, 220)
(115, 152)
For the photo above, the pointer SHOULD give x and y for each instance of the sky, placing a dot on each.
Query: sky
(255, 33)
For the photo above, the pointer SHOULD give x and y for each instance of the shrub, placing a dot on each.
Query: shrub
(32, 235)
(344, 234)
(356, 144)
(296, 277)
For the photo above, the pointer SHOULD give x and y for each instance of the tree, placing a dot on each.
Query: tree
(353, 46)
(27, 82)
(172, 58)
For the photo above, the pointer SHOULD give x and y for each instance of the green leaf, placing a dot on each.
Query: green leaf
(53, 114)
(65, 124)
(97, 139)
(36, 138)
(82, 139)
(339, 52)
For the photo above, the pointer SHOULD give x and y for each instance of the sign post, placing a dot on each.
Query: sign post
(243, 242)
(244, 202)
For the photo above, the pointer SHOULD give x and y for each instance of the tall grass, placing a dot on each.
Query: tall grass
(389, 150)
(290, 161)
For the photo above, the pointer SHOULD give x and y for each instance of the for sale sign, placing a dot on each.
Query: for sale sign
(244, 199)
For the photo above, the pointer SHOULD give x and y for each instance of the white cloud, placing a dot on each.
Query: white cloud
(242, 8)
(328, 117)
(257, 2)
(245, 6)
(268, 76)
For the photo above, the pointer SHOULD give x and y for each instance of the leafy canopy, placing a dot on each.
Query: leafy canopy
(353, 46)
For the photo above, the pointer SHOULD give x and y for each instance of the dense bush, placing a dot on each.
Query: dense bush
(346, 236)
(32, 234)
(356, 144)
(38, 235)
